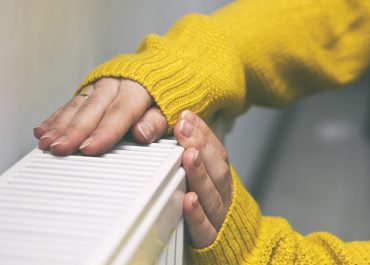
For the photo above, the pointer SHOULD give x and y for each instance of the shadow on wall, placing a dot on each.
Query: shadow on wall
(280, 136)
(316, 168)
(275, 142)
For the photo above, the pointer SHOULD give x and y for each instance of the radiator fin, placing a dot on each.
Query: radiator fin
(59, 210)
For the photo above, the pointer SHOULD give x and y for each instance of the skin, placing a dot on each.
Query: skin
(95, 124)
(114, 106)
(205, 161)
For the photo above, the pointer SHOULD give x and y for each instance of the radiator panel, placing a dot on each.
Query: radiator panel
(90, 210)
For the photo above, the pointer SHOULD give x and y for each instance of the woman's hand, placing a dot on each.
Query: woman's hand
(206, 164)
(99, 117)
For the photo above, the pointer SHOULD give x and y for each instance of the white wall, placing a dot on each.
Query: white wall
(47, 47)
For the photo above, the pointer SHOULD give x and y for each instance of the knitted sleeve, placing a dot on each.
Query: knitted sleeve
(192, 67)
(247, 237)
(292, 48)
(260, 52)
(279, 50)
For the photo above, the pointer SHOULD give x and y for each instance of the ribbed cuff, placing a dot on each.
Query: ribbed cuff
(192, 67)
(238, 234)
(172, 83)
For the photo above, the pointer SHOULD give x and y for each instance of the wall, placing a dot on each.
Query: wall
(46, 48)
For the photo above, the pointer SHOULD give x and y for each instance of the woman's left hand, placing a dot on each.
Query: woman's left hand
(206, 164)
(99, 116)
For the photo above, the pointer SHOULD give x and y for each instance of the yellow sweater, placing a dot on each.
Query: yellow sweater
(254, 52)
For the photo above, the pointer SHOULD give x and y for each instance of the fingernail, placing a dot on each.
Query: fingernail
(196, 158)
(184, 114)
(186, 128)
(59, 141)
(195, 202)
(49, 134)
(190, 117)
(147, 130)
(36, 129)
(86, 143)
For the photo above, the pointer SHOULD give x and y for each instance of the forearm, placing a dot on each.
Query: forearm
(249, 52)
(247, 237)
(291, 48)
(193, 66)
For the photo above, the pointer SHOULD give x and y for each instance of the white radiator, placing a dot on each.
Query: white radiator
(124, 207)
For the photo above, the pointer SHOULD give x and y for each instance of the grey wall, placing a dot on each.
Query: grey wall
(47, 47)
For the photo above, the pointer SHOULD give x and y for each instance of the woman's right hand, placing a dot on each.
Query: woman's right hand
(208, 175)
(97, 118)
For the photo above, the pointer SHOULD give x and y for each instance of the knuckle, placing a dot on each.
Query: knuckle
(201, 219)
(87, 89)
(224, 171)
(217, 205)
(196, 121)
(105, 86)
(137, 91)
(203, 145)
(224, 154)
(103, 82)
(93, 100)
(202, 175)
(72, 104)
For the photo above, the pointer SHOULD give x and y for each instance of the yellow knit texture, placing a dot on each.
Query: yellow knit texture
(278, 51)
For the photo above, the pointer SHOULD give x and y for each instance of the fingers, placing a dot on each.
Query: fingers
(208, 175)
(207, 132)
(39, 130)
(200, 182)
(191, 131)
(56, 124)
(125, 110)
(151, 126)
(94, 124)
(201, 231)
(87, 118)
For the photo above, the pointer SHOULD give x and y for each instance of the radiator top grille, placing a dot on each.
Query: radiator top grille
(63, 210)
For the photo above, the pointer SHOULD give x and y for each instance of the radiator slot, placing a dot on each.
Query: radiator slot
(93, 210)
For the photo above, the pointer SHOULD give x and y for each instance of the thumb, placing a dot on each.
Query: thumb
(150, 127)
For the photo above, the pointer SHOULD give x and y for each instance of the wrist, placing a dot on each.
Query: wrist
(191, 67)
(238, 233)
